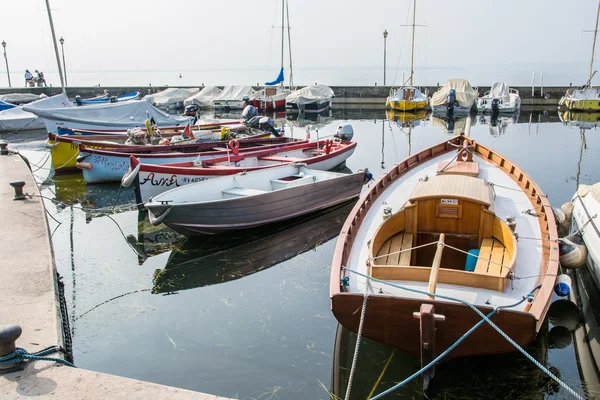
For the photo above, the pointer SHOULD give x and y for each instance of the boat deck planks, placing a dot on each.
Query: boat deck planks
(491, 249)
(458, 168)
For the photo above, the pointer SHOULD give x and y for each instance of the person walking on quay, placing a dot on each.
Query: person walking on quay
(29, 79)
(40, 78)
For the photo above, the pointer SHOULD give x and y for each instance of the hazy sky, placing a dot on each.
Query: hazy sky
(117, 42)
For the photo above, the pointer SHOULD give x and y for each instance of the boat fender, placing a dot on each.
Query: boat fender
(130, 175)
(82, 158)
(83, 165)
(563, 285)
(154, 220)
(572, 251)
(50, 146)
(234, 145)
(564, 313)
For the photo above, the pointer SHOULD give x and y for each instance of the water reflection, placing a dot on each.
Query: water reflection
(210, 260)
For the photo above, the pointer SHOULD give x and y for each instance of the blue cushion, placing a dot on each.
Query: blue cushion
(471, 260)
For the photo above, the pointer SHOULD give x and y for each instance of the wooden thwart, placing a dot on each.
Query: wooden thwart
(491, 250)
(391, 247)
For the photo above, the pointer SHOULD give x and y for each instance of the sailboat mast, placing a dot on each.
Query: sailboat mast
(594, 46)
(60, 71)
(282, 31)
(412, 55)
(287, 11)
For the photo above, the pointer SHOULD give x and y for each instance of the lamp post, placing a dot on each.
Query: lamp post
(6, 59)
(62, 47)
(385, 34)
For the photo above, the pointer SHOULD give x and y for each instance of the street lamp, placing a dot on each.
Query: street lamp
(62, 42)
(385, 34)
(6, 59)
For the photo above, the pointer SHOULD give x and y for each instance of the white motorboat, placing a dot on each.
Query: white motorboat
(500, 98)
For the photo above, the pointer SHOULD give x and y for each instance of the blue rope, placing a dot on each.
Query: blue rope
(20, 355)
(529, 297)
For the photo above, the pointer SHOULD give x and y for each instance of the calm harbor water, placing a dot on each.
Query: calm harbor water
(247, 315)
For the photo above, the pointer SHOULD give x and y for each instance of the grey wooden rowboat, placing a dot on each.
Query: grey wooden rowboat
(251, 199)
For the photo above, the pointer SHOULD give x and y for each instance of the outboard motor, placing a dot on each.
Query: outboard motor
(191, 110)
(249, 112)
(78, 101)
(344, 132)
(268, 124)
(113, 99)
(451, 99)
(495, 108)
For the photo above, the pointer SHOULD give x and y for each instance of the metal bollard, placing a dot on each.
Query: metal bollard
(8, 336)
(18, 185)
(3, 147)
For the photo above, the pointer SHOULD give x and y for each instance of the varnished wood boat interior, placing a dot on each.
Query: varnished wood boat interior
(461, 207)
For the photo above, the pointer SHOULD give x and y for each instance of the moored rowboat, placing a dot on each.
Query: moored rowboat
(252, 199)
(405, 245)
(151, 180)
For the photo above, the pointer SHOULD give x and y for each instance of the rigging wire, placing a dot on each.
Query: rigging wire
(401, 47)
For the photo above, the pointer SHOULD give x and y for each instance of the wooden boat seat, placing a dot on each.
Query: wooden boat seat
(398, 242)
(458, 168)
(281, 159)
(291, 181)
(494, 250)
(241, 192)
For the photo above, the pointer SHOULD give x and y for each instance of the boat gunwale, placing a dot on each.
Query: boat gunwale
(536, 196)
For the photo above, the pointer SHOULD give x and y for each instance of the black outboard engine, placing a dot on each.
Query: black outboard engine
(495, 108)
(78, 101)
(191, 110)
(263, 123)
(450, 106)
(113, 99)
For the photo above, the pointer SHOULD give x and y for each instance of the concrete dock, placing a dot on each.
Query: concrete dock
(29, 299)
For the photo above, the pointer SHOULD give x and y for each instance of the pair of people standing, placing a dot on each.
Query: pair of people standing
(37, 80)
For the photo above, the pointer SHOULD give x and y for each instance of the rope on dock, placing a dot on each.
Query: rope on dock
(529, 297)
(358, 339)
(20, 355)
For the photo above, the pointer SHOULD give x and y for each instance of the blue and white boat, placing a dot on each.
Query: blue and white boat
(107, 99)
(309, 99)
(6, 106)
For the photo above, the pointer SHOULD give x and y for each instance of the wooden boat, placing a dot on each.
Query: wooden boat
(64, 147)
(151, 180)
(252, 199)
(99, 165)
(211, 260)
(406, 229)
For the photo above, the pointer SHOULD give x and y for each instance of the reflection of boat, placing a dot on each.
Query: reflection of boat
(252, 199)
(211, 260)
(450, 125)
(500, 99)
(425, 201)
(406, 119)
(457, 96)
(380, 367)
(580, 120)
(586, 98)
(497, 125)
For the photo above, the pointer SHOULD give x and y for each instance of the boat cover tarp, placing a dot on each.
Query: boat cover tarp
(594, 190)
(399, 95)
(171, 96)
(204, 97)
(5, 106)
(127, 113)
(586, 94)
(499, 90)
(465, 95)
(21, 98)
(277, 80)
(235, 92)
(311, 94)
(16, 118)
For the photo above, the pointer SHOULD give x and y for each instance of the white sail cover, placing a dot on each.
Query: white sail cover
(418, 95)
(465, 95)
(21, 98)
(586, 94)
(310, 94)
(499, 90)
(170, 96)
(235, 92)
(126, 114)
(204, 97)
(19, 119)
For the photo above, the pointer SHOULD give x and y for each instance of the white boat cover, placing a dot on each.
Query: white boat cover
(586, 94)
(17, 118)
(204, 97)
(21, 98)
(235, 92)
(127, 113)
(465, 95)
(418, 96)
(170, 96)
(499, 90)
(310, 94)
(593, 189)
